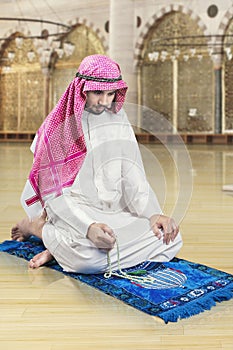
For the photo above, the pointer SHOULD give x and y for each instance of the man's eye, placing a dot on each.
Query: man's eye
(97, 92)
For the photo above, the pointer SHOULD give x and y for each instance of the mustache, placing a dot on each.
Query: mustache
(98, 109)
(106, 107)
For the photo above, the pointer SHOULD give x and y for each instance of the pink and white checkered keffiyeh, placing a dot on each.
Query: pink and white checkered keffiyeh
(60, 147)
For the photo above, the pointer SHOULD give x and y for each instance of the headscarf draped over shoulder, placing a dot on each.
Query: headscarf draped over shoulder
(60, 146)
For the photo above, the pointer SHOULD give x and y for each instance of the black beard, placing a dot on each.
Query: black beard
(96, 113)
(92, 112)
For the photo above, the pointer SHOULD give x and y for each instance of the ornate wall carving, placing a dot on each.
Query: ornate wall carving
(193, 79)
(157, 95)
(195, 105)
(8, 102)
(157, 16)
(228, 113)
(21, 92)
(32, 100)
(86, 43)
(21, 98)
(23, 89)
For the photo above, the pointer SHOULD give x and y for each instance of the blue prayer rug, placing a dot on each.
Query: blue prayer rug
(173, 290)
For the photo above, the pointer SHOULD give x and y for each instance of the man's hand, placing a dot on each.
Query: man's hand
(102, 236)
(164, 226)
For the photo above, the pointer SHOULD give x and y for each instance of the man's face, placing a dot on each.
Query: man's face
(99, 100)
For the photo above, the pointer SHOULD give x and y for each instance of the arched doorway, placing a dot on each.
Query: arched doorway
(86, 43)
(177, 81)
(21, 91)
(28, 91)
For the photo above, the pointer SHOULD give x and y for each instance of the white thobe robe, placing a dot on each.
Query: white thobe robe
(110, 188)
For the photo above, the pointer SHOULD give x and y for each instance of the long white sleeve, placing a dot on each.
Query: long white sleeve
(70, 211)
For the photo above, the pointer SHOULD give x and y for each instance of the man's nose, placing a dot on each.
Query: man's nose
(104, 100)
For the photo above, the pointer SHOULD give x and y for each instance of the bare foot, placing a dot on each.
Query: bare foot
(20, 232)
(40, 259)
(25, 228)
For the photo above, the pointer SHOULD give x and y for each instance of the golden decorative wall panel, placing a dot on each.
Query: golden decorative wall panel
(21, 101)
(86, 43)
(228, 79)
(175, 85)
(60, 80)
(21, 92)
(228, 96)
(157, 95)
(162, 36)
(24, 90)
(32, 100)
(20, 59)
(195, 105)
(9, 102)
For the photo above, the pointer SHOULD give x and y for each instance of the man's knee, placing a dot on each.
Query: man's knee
(87, 265)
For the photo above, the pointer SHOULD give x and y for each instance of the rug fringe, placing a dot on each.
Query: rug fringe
(206, 303)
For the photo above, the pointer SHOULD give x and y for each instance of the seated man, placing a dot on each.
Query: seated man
(87, 186)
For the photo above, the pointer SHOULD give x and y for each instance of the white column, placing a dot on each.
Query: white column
(217, 61)
(175, 94)
(121, 42)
